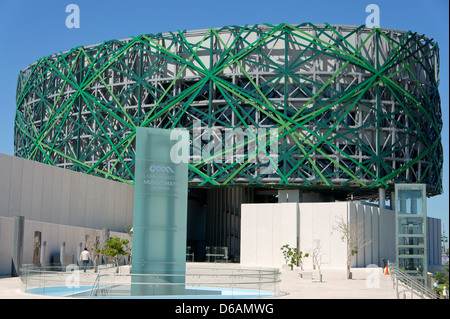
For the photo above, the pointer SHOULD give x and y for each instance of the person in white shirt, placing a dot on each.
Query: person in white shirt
(436, 289)
(85, 257)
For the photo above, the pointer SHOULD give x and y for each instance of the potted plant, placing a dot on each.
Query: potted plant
(287, 254)
(113, 249)
(293, 256)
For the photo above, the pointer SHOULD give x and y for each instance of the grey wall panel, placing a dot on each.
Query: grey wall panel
(108, 206)
(50, 194)
(81, 215)
(36, 193)
(90, 202)
(6, 240)
(5, 179)
(387, 235)
(378, 225)
(65, 198)
(74, 212)
(368, 236)
(27, 188)
(99, 198)
(52, 234)
(360, 218)
(15, 188)
(119, 208)
(375, 237)
(434, 241)
(130, 203)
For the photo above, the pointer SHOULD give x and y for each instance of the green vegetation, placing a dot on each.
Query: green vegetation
(293, 256)
(114, 250)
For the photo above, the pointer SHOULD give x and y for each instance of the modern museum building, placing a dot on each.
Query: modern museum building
(292, 128)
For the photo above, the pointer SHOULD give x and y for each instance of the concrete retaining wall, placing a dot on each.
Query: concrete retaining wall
(266, 227)
(63, 205)
(45, 193)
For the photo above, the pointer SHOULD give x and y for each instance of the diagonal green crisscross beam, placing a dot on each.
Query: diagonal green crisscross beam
(354, 108)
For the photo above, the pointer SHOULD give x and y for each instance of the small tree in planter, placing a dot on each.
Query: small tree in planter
(113, 249)
(293, 256)
(92, 242)
(287, 254)
(353, 235)
(317, 256)
(298, 256)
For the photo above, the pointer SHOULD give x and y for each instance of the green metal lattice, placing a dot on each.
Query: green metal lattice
(355, 108)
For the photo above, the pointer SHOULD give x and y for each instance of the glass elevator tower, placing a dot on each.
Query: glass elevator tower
(410, 229)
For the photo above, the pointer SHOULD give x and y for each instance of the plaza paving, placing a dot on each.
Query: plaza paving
(367, 283)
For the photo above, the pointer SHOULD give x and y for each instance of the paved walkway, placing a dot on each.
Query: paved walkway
(368, 283)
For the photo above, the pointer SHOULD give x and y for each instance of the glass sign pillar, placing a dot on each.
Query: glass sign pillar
(160, 212)
(410, 229)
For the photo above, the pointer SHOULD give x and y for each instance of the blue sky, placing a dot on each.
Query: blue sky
(30, 30)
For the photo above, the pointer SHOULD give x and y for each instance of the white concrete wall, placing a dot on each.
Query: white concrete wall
(379, 234)
(266, 227)
(53, 234)
(317, 222)
(62, 204)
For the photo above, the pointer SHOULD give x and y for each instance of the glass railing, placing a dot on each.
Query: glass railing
(60, 280)
(198, 282)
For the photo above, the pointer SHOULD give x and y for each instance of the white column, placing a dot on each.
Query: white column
(381, 198)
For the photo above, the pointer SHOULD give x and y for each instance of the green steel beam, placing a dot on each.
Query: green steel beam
(328, 91)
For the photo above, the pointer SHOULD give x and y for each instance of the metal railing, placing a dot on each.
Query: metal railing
(228, 282)
(405, 284)
(217, 282)
(60, 280)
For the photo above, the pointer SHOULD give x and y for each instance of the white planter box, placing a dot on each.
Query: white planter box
(306, 274)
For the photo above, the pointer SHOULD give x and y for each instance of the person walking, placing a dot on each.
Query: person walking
(437, 289)
(85, 257)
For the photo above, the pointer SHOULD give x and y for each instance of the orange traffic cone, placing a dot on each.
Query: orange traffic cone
(386, 272)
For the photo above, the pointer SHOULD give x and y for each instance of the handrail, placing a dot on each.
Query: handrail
(410, 284)
(94, 289)
(259, 279)
(209, 280)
